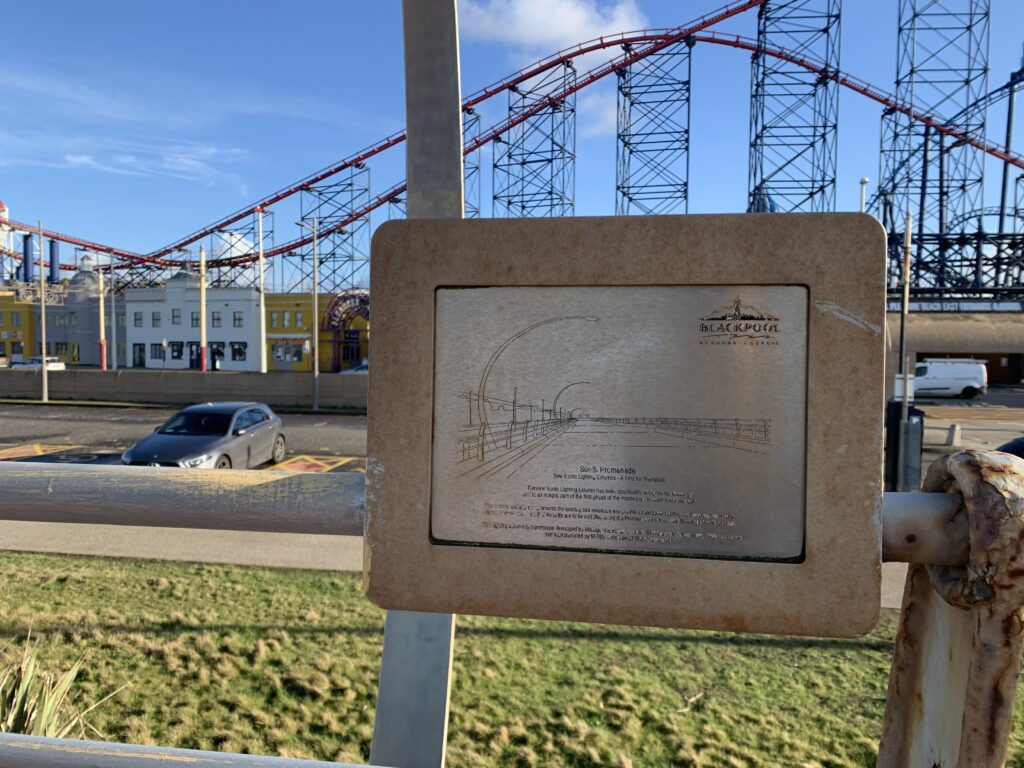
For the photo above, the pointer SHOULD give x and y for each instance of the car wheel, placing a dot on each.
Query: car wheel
(277, 456)
(969, 393)
(224, 462)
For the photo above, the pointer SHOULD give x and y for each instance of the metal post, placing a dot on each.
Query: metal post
(263, 295)
(901, 465)
(411, 727)
(202, 309)
(42, 320)
(863, 193)
(113, 316)
(316, 324)
(103, 322)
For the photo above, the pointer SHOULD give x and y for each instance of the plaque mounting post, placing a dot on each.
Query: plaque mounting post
(411, 727)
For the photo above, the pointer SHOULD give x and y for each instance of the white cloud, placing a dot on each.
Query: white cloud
(543, 26)
(597, 112)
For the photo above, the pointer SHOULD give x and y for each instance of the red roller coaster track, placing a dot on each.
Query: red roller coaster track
(651, 41)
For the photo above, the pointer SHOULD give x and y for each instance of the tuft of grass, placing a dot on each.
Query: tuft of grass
(285, 662)
(36, 702)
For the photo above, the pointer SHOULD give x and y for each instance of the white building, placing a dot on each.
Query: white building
(163, 326)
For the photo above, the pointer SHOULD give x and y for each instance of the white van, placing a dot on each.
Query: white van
(950, 377)
(35, 363)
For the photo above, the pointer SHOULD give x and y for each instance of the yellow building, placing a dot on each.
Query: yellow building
(344, 331)
(17, 328)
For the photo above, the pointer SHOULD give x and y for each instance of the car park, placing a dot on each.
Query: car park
(234, 435)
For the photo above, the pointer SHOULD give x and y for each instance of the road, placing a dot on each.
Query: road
(985, 422)
(316, 442)
(108, 429)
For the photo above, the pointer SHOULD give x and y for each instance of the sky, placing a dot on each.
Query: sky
(134, 123)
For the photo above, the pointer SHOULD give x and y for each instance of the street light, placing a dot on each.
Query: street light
(481, 397)
(554, 405)
(863, 191)
(311, 226)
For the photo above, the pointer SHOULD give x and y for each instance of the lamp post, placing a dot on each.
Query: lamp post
(554, 405)
(202, 309)
(42, 318)
(480, 394)
(311, 226)
(113, 316)
(863, 193)
(103, 323)
(262, 307)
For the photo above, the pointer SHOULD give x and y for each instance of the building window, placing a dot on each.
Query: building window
(120, 321)
(1, 318)
(75, 357)
(58, 321)
(16, 347)
(175, 317)
(273, 319)
(287, 352)
(238, 350)
(62, 350)
(287, 319)
(15, 318)
(215, 319)
(195, 319)
(3, 349)
(156, 351)
(138, 319)
(238, 319)
(216, 350)
(156, 319)
(177, 348)
(73, 319)
(298, 319)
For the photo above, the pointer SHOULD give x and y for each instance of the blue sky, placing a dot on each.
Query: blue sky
(133, 123)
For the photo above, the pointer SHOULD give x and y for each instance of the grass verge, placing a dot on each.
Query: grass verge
(285, 662)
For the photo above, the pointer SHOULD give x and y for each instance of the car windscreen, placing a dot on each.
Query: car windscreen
(197, 424)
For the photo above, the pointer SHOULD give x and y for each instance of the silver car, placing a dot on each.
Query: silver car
(212, 436)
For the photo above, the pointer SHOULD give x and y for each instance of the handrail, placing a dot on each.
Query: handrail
(40, 752)
(222, 500)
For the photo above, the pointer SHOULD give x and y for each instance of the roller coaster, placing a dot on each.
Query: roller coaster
(932, 162)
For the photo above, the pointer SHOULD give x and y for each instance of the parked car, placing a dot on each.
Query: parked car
(36, 363)
(363, 368)
(212, 436)
(950, 377)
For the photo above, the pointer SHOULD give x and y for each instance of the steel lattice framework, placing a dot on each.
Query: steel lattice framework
(794, 114)
(934, 149)
(942, 69)
(471, 167)
(652, 169)
(535, 160)
(343, 247)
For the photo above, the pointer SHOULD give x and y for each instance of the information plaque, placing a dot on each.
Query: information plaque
(657, 420)
(669, 421)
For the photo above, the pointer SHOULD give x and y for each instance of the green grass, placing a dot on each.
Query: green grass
(285, 662)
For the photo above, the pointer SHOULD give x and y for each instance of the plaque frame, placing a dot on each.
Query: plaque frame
(833, 591)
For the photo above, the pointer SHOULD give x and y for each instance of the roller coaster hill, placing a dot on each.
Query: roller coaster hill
(965, 277)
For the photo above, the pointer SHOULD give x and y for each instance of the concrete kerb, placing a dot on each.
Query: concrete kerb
(282, 390)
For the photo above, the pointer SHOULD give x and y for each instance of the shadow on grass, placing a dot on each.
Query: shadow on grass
(524, 633)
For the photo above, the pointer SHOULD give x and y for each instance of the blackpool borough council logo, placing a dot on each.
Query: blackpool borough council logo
(739, 323)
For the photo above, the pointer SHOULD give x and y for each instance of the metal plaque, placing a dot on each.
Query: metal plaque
(661, 420)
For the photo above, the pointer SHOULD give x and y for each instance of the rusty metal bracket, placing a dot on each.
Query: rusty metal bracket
(958, 647)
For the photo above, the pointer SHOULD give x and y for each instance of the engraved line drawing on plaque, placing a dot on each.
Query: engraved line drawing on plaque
(506, 435)
(665, 420)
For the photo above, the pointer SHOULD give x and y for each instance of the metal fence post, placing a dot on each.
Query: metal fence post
(958, 647)
(411, 727)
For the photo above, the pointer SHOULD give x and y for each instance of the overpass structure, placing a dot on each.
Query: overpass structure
(933, 153)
